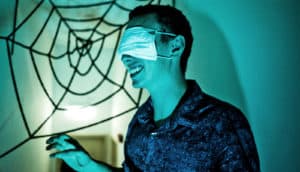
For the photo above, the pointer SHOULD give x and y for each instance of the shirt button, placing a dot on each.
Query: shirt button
(154, 134)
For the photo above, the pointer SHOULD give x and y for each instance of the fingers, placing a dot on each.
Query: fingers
(53, 146)
(69, 150)
(61, 143)
(65, 154)
(74, 158)
(57, 138)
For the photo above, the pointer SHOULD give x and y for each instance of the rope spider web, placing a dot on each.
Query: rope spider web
(72, 56)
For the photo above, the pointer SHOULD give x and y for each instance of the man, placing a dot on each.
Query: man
(179, 128)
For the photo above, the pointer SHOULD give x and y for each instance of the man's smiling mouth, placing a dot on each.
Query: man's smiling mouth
(135, 70)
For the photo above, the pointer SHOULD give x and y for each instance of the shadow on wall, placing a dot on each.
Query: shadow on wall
(212, 63)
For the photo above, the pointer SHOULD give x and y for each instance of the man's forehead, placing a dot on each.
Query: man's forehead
(147, 21)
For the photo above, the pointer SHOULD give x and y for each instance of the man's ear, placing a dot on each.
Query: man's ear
(177, 45)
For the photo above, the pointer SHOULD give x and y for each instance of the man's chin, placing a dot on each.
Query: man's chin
(136, 84)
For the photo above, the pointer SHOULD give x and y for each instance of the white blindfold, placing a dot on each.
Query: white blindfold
(139, 42)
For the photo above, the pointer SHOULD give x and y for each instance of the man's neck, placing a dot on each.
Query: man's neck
(166, 97)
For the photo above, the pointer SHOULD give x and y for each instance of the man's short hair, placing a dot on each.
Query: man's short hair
(174, 20)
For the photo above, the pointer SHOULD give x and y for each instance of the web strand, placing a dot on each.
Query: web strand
(80, 45)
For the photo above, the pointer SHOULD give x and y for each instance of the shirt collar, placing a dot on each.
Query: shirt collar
(186, 112)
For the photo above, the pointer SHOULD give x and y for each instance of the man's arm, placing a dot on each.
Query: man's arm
(232, 158)
(235, 143)
(70, 151)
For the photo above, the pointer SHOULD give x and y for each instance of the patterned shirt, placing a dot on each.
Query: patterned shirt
(202, 134)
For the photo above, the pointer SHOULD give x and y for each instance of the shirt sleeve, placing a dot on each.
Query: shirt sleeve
(235, 144)
(232, 159)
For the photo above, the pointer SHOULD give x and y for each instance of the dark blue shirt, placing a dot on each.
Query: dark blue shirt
(202, 134)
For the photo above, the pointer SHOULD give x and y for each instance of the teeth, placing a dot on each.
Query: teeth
(135, 70)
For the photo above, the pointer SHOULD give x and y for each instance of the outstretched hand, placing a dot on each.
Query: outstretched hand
(69, 150)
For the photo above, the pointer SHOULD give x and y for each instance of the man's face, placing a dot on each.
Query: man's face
(148, 73)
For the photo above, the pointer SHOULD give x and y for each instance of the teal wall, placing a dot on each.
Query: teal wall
(247, 52)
